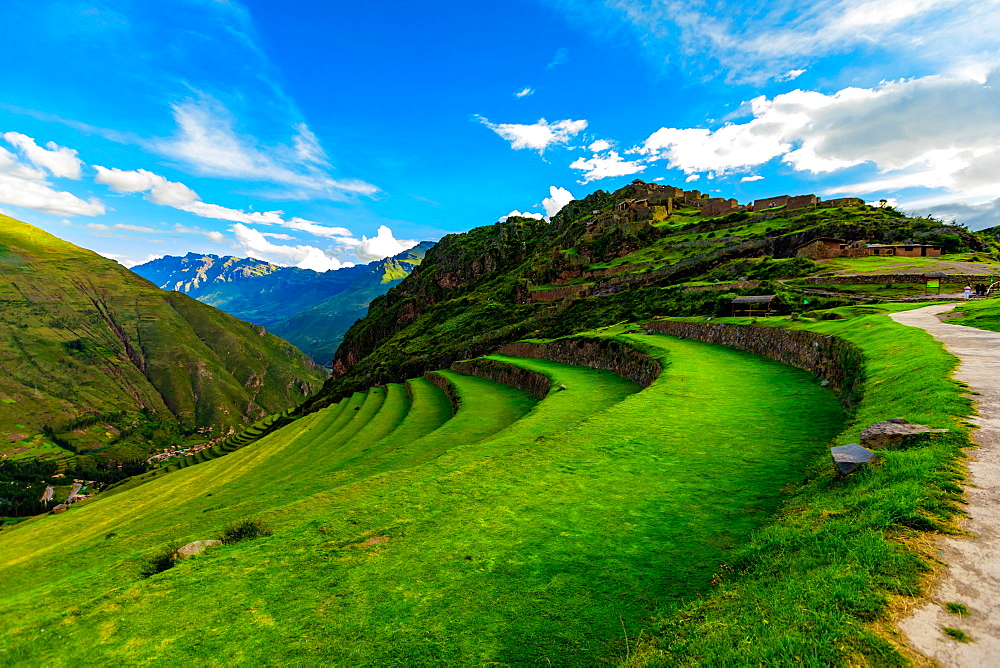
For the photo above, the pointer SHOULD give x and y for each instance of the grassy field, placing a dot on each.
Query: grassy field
(817, 587)
(984, 314)
(516, 531)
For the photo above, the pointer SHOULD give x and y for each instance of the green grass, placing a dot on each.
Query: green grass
(983, 314)
(957, 634)
(517, 531)
(957, 609)
(813, 586)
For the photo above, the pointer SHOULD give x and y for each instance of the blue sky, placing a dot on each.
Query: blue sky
(322, 133)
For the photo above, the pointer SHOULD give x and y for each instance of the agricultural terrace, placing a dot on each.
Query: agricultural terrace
(515, 531)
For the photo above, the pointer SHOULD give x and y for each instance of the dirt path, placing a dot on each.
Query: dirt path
(972, 577)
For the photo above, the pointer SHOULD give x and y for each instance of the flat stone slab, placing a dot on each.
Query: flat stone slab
(197, 547)
(896, 432)
(849, 458)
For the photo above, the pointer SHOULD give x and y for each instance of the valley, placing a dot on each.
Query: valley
(494, 474)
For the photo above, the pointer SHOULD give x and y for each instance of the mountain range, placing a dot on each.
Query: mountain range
(310, 309)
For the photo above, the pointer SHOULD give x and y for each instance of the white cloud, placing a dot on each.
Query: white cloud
(557, 199)
(693, 177)
(603, 167)
(58, 160)
(524, 92)
(560, 58)
(316, 229)
(25, 185)
(382, 245)
(933, 132)
(599, 145)
(756, 41)
(748, 179)
(278, 235)
(211, 235)
(537, 136)
(120, 226)
(207, 141)
(177, 195)
(791, 74)
(520, 214)
(253, 243)
(161, 191)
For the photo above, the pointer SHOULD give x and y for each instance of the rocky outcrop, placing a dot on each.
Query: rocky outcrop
(827, 357)
(850, 458)
(896, 433)
(195, 548)
(605, 354)
(532, 382)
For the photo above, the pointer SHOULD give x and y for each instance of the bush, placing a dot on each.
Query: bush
(245, 529)
(160, 561)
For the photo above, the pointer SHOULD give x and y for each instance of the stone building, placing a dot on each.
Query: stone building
(718, 206)
(905, 250)
(824, 248)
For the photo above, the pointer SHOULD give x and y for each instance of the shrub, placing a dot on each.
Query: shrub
(160, 561)
(245, 529)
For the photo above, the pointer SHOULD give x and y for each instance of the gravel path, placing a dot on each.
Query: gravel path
(972, 576)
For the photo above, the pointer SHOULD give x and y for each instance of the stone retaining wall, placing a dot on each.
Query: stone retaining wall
(448, 388)
(533, 382)
(605, 354)
(827, 357)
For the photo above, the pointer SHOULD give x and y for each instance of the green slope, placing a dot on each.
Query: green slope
(83, 337)
(517, 531)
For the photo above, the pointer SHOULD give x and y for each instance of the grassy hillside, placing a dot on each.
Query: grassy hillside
(310, 309)
(479, 290)
(518, 531)
(100, 359)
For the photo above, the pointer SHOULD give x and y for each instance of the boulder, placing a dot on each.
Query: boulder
(197, 547)
(895, 433)
(849, 458)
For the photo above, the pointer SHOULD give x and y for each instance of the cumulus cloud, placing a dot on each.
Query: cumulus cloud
(254, 244)
(25, 185)
(381, 246)
(557, 199)
(211, 235)
(58, 160)
(975, 216)
(599, 145)
(748, 179)
(520, 214)
(524, 92)
(538, 136)
(602, 167)
(159, 189)
(207, 141)
(932, 132)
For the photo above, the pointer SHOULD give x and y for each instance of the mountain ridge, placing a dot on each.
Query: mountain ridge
(310, 309)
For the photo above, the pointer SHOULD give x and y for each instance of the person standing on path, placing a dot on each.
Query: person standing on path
(967, 290)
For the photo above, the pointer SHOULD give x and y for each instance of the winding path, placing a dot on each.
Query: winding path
(972, 577)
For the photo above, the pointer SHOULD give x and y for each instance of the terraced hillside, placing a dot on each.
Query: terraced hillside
(595, 264)
(516, 530)
(100, 358)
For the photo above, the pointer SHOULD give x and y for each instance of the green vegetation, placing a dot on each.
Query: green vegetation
(957, 634)
(101, 365)
(245, 529)
(813, 586)
(984, 314)
(575, 517)
(957, 609)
